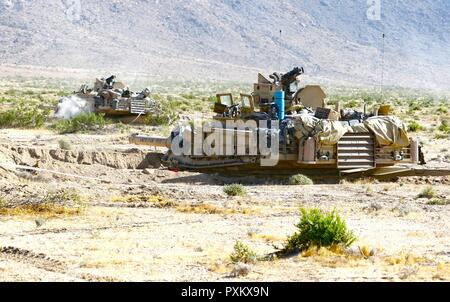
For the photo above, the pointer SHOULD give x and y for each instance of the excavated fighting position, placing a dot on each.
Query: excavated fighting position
(283, 128)
(115, 99)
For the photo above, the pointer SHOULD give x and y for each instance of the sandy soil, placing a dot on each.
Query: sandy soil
(118, 240)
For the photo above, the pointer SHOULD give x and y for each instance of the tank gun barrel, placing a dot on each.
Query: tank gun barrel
(292, 75)
(153, 141)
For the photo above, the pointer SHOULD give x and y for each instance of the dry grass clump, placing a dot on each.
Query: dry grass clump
(334, 256)
(204, 208)
(243, 254)
(60, 203)
(428, 192)
(438, 202)
(358, 181)
(47, 210)
(404, 259)
(442, 272)
(200, 208)
(267, 238)
(154, 200)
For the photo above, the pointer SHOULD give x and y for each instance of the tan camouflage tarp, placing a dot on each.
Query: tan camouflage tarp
(330, 132)
(388, 131)
(325, 132)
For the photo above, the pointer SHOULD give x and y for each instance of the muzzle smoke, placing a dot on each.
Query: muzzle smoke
(69, 107)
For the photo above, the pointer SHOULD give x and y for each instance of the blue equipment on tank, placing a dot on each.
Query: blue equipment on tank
(279, 104)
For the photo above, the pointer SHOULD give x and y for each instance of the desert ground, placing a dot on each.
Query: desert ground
(96, 208)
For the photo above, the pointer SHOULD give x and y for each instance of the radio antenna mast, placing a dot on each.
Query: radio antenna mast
(279, 58)
(382, 67)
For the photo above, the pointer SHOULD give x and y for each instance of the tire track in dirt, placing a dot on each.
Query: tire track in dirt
(38, 260)
(42, 261)
(100, 228)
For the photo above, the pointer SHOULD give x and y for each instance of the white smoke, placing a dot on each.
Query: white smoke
(69, 107)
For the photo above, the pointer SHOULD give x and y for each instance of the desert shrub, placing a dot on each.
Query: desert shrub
(81, 123)
(234, 190)
(165, 114)
(62, 93)
(300, 179)
(242, 253)
(428, 192)
(65, 144)
(162, 203)
(320, 229)
(122, 127)
(442, 109)
(438, 202)
(23, 116)
(211, 99)
(188, 96)
(352, 104)
(414, 107)
(445, 126)
(441, 135)
(63, 197)
(414, 126)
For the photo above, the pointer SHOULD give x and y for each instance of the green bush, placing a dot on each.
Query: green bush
(442, 109)
(352, 104)
(23, 116)
(414, 126)
(445, 126)
(242, 253)
(428, 192)
(63, 196)
(438, 202)
(165, 114)
(319, 229)
(65, 144)
(81, 123)
(234, 190)
(441, 136)
(414, 107)
(300, 179)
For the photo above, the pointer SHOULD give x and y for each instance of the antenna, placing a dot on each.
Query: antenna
(382, 67)
(279, 57)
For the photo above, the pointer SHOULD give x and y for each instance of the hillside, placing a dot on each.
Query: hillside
(231, 40)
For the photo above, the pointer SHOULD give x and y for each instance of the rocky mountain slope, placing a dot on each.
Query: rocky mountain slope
(232, 39)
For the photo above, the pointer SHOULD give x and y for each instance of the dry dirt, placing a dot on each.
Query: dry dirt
(124, 235)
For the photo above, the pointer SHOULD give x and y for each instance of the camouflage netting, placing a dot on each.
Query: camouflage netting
(388, 131)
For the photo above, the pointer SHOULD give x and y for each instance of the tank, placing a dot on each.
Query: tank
(115, 99)
(252, 135)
